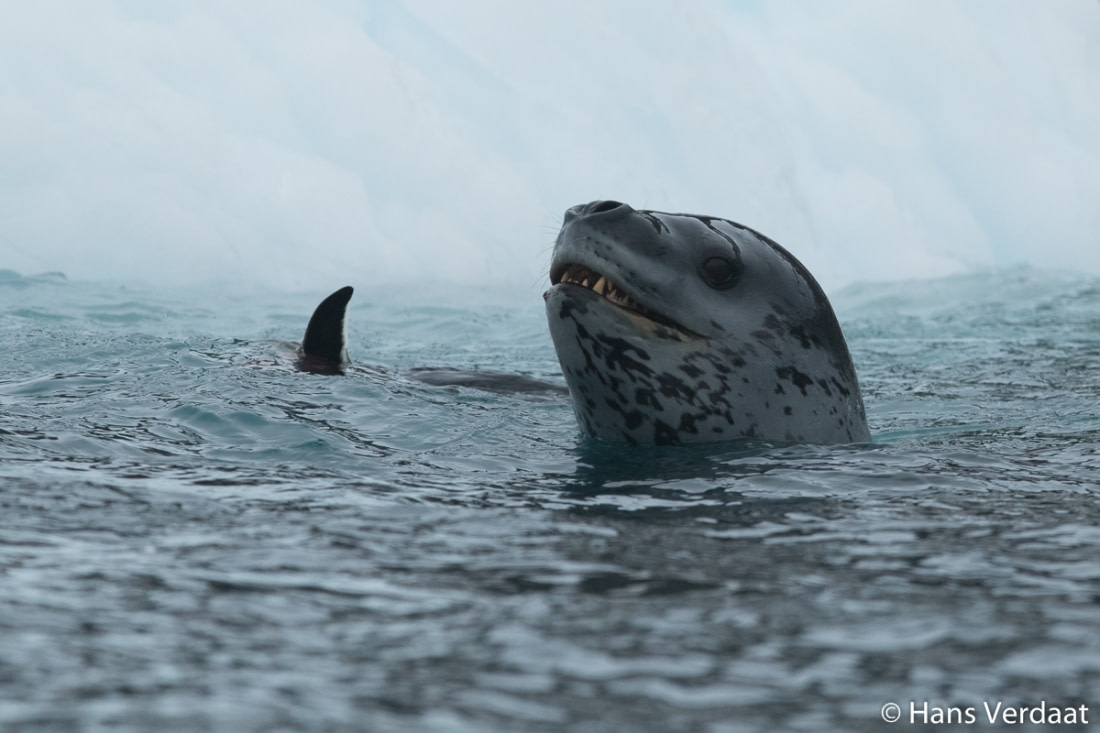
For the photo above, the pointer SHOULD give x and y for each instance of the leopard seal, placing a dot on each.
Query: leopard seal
(677, 328)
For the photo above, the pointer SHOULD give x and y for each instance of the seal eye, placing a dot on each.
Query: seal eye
(720, 272)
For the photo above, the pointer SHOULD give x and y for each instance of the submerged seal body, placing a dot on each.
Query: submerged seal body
(675, 328)
(324, 350)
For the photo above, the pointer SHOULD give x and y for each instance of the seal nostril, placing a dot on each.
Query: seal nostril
(572, 213)
(600, 207)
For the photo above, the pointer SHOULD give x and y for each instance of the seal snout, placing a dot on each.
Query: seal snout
(605, 207)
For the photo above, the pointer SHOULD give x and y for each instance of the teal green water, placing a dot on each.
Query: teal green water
(196, 537)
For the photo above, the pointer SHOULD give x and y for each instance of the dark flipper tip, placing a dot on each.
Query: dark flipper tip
(324, 347)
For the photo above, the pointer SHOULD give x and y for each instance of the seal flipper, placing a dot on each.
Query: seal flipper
(324, 347)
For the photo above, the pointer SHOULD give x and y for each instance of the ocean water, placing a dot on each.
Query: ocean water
(194, 536)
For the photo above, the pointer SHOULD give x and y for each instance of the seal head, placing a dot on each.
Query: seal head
(676, 328)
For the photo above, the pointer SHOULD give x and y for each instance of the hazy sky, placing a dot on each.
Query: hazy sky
(309, 145)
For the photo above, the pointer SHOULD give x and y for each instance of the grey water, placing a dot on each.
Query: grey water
(194, 536)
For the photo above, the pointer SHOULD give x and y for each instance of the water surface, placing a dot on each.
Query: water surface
(196, 537)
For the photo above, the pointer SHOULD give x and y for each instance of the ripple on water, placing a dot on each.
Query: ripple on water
(197, 537)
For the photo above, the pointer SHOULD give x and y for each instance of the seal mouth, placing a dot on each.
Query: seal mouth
(573, 274)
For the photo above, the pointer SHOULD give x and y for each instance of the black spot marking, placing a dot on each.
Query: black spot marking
(807, 340)
(773, 324)
(616, 354)
(674, 388)
(663, 433)
(687, 424)
(659, 225)
(646, 397)
(691, 370)
(795, 377)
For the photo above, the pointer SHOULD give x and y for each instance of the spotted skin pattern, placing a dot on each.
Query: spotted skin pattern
(724, 335)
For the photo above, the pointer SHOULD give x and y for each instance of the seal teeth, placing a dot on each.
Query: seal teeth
(577, 275)
(601, 285)
(585, 277)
